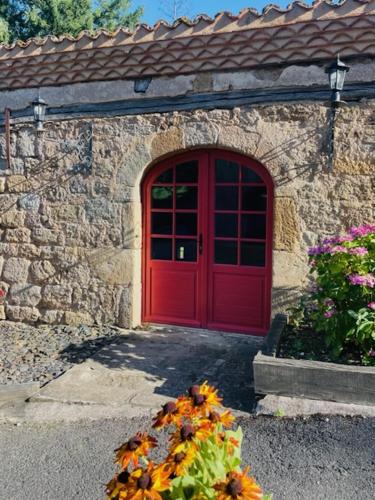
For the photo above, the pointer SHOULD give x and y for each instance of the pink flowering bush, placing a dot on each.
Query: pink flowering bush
(342, 300)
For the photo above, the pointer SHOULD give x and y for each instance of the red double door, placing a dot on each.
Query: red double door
(207, 255)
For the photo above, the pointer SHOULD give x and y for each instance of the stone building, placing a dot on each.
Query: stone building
(182, 171)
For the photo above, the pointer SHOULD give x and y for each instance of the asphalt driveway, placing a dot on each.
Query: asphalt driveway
(316, 459)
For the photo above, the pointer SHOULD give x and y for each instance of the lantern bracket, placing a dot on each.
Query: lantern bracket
(82, 146)
(336, 76)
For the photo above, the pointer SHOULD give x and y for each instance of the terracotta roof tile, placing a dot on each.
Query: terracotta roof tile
(298, 33)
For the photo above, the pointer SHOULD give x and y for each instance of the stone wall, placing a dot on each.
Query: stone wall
(70, 243)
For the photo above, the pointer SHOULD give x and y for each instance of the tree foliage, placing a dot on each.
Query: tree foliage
(110, 14)
(4, 30)
(23, 19)
(55, 17)
(11, 19)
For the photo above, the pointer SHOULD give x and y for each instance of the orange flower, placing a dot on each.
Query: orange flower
(238, 486)
(179, 463)
(226, 419)
(169, 414)
(184, 438)
(201, 401)
(210, 394)
(116, 488)
(148, 484)
(137, 446)
(231, 445)
(220, 438)
(230, 442)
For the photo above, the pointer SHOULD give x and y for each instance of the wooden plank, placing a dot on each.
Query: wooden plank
(314, 380)
(208, 101)
(272, 341)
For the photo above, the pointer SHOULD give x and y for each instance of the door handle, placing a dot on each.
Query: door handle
(200, 244)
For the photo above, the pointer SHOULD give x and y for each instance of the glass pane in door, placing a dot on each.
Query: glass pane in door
(226, 197)
(187, 172)
(174, 212)
(254, 198)
(226, 171)
(226, 225)
(253, 254)
(253, 226)
(186, 250)
(239, 215)
(225, 252)
(165, 177)
(161, 223)
(186, 224)
(161, 248)
(186, 197)
(161, 197)
(248, 175)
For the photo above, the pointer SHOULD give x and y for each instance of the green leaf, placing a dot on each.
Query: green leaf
(279, 412)
(353, 314)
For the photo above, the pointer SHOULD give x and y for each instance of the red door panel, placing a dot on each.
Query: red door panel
(208, 242)
(235, 299)
(173, 295)
(240, 244)
(173, 269)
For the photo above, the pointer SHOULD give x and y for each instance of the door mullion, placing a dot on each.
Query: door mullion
(203, 228)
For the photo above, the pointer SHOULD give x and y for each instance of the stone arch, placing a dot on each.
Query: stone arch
(194, 134)
(201, 135)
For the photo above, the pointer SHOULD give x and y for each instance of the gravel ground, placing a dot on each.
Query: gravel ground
(313, 459)
(29, 353)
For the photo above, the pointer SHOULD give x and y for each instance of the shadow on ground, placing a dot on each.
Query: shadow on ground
(172, 359)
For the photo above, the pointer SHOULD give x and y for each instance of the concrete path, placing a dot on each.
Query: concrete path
(140, 370)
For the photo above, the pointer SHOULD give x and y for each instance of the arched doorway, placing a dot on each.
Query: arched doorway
(207, 242)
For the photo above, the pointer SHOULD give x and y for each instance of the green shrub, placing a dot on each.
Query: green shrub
(342, 301)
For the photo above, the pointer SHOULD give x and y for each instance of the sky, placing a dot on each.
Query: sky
(153, 8)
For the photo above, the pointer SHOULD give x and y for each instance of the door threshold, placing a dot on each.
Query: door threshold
(200, 331)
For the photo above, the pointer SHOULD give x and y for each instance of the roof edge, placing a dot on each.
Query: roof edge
(271, 15)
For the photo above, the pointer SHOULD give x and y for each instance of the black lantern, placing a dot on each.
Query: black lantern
(336, 74)
(40, 107)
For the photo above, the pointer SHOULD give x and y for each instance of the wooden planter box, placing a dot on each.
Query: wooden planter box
(310, 379)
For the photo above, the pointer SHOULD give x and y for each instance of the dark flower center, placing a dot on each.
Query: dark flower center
(214, 417)
(123, 477)
(179, 457)
(234, 487)
(144, 482)
(169, 408)
(194, 390)
(199, 399)
(134, 443)
(187, 432)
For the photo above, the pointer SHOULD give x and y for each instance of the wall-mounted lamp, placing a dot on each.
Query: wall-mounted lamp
(336, 74)
(39, 106)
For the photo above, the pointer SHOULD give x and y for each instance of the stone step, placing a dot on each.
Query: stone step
(17, 392)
